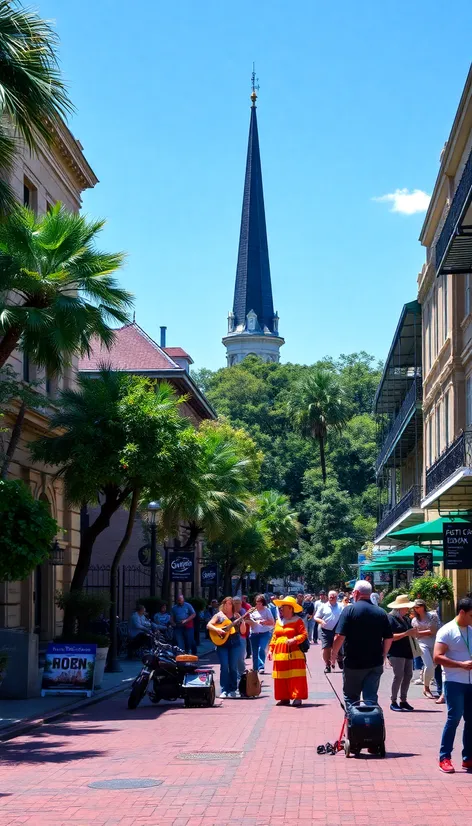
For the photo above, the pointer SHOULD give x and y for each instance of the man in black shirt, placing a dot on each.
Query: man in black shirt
(365, 632)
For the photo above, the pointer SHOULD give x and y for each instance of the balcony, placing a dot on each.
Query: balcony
(453, 251)
(410, 404)
(456, 457)
(410, 502)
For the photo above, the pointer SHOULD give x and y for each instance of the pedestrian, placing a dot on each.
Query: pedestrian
(309, 609)
(247, 607)
(289, 671)
(401, 652)
(139, 630)
(262, 625)
(453, 651)
(228, 653)
(273, 608)
(374, 598)
(327, 617)
(238, 609)
(183, 615)
(426, 624)
(364, 633)
(322, 598)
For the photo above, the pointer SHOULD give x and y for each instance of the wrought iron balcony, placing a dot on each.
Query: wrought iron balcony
(457, 455)
(453, 249)
(412, 499)
(409, 405)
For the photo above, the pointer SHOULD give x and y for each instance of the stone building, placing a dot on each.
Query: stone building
(253, 326)
(28, 615)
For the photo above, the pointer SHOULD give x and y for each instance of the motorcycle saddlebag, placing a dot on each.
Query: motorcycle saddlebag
(365, 726)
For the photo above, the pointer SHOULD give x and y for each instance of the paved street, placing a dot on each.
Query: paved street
(266, 772)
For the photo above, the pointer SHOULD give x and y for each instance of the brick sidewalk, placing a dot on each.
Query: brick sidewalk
(270, 774)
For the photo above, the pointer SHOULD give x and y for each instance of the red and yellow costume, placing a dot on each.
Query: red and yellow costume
(289, 670)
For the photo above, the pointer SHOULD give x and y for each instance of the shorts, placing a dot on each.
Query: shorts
(327, 638)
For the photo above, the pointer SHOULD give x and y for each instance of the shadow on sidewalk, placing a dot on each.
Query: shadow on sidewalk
(14, 751)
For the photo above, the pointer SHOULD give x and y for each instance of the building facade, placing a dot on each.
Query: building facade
(28, 615)
(253, 326)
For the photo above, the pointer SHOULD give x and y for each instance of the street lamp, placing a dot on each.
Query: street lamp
(153, 509)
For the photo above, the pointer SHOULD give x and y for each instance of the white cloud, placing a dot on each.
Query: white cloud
(406, 202)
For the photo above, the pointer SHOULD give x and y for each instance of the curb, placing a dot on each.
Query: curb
(35, 722)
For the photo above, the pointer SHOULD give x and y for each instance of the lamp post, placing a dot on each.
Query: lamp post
(153, 509)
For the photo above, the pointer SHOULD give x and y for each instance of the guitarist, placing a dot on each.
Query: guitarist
(228, 653)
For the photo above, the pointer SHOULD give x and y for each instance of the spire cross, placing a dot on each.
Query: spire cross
(254, 85)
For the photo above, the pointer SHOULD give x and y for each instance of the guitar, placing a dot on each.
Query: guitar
(228, 627)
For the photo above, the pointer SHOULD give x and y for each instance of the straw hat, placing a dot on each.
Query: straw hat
(402, 601)
(291, 602)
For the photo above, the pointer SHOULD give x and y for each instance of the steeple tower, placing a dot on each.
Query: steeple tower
(252, 324)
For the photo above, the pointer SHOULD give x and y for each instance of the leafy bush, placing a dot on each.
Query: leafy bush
(198, 603)
(86, 637)
(85, 608)
(152, 604)
(27, 531)
(392, 595)
(432, 589)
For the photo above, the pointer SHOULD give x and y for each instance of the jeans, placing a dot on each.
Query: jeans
(228, 657)
(259, 643)
(439, 679)
(315, 631)
(310, 629)
(427, 657)
(402, 674)
(417, 663)
(459, 704)
(365, 681)
(185, 639)
(242, 656)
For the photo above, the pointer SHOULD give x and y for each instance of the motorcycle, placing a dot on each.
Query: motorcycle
(172, 675)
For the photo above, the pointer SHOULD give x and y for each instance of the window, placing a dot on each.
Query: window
(30, 195)
(430, 442)
(429, 334)
(446, 419)
(467, 295)
(468, 401)
(436, 322)
(445, 307)
(438, 431)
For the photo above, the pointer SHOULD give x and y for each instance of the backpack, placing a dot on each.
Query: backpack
(250, 684)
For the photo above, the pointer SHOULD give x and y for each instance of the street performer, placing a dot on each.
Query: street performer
(228, 653)
(289, 670)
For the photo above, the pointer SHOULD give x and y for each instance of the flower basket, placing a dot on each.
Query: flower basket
(433, 589)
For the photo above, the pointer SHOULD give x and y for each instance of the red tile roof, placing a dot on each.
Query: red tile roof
(177, 352)
(132, 350)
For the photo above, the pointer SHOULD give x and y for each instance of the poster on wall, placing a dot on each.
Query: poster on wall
(69, 669)
(381, 577)
(181, 566)
(423, 563)
(457, 542)
(402, 578)
(209, 575)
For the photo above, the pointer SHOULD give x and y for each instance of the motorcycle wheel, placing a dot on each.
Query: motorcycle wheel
(138, 690)
(211, 696)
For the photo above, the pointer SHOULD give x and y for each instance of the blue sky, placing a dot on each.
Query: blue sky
(356, 101)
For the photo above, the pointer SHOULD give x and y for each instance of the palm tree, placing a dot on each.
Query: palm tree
(32, 93)
(319, 407)
(56, 289)
(281, 521)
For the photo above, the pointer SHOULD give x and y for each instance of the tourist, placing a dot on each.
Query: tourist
(139, 629)
(238, 609)
(228, 653)
(426, 624)
(327, 617)
(262, 624)
(374, 598)
(273, 608)
(364, 633)
(162, 617)
(322, 598)
(401, 652)
(247, 607)
(309, 609)
(183, 615)
(453, 651)
(289, 672)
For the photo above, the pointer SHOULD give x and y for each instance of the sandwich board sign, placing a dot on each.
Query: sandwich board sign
(69, 669)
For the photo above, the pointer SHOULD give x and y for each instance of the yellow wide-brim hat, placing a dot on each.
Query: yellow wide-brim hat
(291, 601)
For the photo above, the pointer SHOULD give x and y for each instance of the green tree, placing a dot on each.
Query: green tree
(318, 408)
(119, 435)
(27, 531)
(56, 288)
(32, 93)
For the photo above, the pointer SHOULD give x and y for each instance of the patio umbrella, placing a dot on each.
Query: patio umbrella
(427, 531)
(402, 559)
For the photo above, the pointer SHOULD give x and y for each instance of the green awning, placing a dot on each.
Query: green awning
(427, 531)
(402, 559)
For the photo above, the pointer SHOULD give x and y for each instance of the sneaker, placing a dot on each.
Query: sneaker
(233, 695)
(467, 765)
(395, 707)
(446, 766)
(223, 695)
(418, 682)
(296, 703)
(261, 671)
(328, 669)
(406, 706)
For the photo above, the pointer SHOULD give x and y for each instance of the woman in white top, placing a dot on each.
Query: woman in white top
(262, 625)
(427, 625)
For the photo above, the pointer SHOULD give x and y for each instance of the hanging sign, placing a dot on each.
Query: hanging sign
(423, 563)
(69, 669)
(457, 543)
(209, 575)
(181, 566)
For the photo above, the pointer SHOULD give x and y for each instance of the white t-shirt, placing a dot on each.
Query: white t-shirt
(263, 614)
(459, 648)
(330, 614)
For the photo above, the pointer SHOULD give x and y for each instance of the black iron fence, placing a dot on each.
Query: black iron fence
(413, 396)
(457, 455)
(412, 499)
(134, 581)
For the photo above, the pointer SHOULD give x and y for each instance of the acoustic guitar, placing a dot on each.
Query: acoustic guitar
(228, 627)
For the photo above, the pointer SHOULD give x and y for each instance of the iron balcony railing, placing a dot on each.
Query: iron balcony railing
(457, 455)
(410, 402)
(412, 499)
(461, 196)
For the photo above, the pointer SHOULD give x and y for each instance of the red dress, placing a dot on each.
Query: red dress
(289, 670)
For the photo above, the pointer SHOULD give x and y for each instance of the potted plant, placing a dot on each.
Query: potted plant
(89, 612)
(435, 590)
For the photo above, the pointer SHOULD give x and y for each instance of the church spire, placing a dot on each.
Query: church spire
(253, 309)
